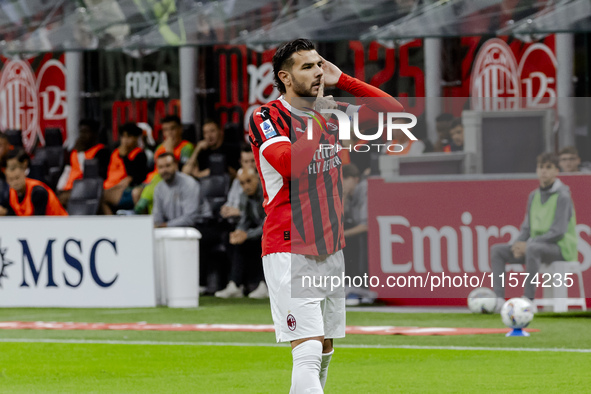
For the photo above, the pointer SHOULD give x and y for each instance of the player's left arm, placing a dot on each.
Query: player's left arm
(333, 76)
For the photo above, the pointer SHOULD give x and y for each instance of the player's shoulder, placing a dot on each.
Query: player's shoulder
(270, 110)
(268, 121)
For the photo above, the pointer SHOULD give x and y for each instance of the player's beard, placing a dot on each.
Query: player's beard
(301, 89)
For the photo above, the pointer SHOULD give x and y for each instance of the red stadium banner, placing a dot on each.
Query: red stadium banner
(243, 78)
(505, 69)
(33, 96)
(143, 89)
(427, 229)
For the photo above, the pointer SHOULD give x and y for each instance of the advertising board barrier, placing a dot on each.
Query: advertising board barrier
(446, 228)
(77, 262)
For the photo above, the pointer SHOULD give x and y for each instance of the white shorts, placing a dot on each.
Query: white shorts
(297, 316)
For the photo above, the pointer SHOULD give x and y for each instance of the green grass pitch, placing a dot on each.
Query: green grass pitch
(34, 361)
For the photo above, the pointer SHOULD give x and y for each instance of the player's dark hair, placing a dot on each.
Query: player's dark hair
(166, 154)
(92, 124)
(130, 129)
(444, 117)
(568, 150)
(171, 118)
(547, 158)
(282, 59)
(19, 154)
(455, 123)
(351, 171)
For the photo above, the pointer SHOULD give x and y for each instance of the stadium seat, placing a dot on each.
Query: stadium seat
(15, 138)
(557, 296)
(55, 161)
(86, 196)
(214, 189)
(37, 169)
(217, 164)
(51, 157)
(53, 137)
(4, 193)
(234, 135)
(91, 169)
(190, 133)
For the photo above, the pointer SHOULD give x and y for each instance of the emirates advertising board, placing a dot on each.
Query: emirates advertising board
(434, 238)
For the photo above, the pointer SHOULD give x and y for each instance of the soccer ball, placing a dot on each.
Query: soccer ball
(482, 300)
(517, 313)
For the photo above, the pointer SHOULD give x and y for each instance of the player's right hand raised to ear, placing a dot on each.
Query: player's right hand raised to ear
(323, 102)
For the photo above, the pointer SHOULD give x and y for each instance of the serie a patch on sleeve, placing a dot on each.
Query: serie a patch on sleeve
(268, 129)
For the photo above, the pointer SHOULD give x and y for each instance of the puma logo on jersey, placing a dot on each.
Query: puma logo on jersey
(262, 113)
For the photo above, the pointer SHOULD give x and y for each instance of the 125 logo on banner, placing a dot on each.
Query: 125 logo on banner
(32, 103)
(501, 81)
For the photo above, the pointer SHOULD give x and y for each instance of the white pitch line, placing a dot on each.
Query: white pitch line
(270, 344)
(127, 311)
(28, 316)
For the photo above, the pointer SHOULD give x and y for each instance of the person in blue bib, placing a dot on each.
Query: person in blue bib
(547, 234)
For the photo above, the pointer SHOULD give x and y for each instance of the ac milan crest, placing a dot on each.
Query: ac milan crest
(291, 322)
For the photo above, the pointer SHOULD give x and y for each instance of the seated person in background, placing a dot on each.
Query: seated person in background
(4, 194)
(147, 142)
(361, 159)
(87, 147)
(547, 234)
(355, 251)
(456, 133)
(212, 143)
(246, 262)
(5, 147)
(176, 199)
(28, 197)
(232, 207)
(442, 125)
(127, 170)
(569, 160)
(172, 130)
(354, 201)
(400, 139)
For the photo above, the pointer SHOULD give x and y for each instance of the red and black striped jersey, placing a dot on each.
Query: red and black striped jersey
(302, 177)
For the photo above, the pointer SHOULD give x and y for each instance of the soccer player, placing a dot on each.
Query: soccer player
(302, 185)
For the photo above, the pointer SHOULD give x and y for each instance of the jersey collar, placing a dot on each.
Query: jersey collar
(291, 109)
